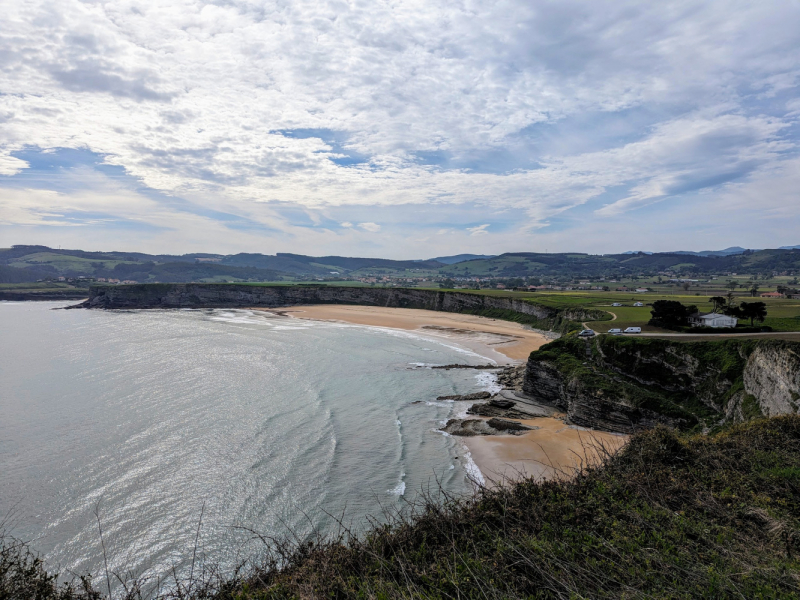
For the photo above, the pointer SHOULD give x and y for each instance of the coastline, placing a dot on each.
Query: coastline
(550, 450)
(503, 342)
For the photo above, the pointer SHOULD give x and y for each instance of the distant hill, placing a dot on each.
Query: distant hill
(451, 260)
(521, 264)
(29, 263)
(726, 252)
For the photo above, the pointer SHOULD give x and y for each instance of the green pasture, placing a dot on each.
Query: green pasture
(783, 314)
(65, 263)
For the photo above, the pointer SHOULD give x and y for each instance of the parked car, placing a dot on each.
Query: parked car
(617, 304)
(586, 333)
(633, 330)
(615, 331)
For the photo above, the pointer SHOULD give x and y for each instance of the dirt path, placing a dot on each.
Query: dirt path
(613, 318)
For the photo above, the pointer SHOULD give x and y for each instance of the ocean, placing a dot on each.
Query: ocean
(267, 425)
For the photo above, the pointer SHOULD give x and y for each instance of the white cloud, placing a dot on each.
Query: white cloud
(10, 165)
(479, 230)
(371, 227)
(516, 105)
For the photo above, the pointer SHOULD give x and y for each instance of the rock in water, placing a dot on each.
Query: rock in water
(475, 396)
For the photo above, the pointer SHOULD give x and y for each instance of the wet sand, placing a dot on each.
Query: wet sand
(545, 452)
(503, 341)
(552, 450)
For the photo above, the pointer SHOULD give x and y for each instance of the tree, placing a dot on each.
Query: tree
(718, 302)
(686, 286)
(732, 285)
(754, 290)
(755, 311)
(670, 314)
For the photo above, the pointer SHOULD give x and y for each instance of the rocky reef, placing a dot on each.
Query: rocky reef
(206, 295)
(624, 384)
(473, 427)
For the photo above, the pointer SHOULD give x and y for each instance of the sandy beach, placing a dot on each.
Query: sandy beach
(552, 449)
(503, 341)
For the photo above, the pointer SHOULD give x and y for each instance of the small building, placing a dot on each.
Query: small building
(712, 320)
(642, 290)
(772, 295)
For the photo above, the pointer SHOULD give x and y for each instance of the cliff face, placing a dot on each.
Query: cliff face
(196, 295)
(624, 384)
(772, 376)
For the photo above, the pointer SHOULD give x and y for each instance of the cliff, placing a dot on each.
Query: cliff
(199, 295)
(623, 384)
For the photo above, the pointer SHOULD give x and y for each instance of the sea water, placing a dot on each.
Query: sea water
(137, 422)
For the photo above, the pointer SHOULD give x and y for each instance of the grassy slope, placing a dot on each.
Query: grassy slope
(669, 516)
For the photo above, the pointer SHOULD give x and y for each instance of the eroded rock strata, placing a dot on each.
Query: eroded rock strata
(204, 295)
(622, 385)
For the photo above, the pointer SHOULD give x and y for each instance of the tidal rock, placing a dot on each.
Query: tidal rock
(474, 396)
(473, 427)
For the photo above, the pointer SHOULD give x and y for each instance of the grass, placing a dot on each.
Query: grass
(65, 263)
(668, 516)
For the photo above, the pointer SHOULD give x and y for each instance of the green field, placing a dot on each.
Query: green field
(65, 263)
(782, 314)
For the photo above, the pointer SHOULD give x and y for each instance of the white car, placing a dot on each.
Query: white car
(615, 331)
(633, 330)
(617, 304)
(586, 333)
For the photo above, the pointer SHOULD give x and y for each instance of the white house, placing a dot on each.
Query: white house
(713, 320)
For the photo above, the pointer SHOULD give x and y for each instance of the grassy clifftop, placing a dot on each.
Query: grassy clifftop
(690, 383)
(669, 516)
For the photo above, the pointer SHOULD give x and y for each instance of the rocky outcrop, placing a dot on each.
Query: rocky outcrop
(772, 377)
(545, 383)
(473, 396)
(624, 385)
(200, 295)
(512, 377)
(473, 427)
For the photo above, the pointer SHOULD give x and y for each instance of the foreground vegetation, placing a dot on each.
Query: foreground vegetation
(669, 516)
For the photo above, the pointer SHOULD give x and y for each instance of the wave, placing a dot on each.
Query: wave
(400, 488)
(473, 472)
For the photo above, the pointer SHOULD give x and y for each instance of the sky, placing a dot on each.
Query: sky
(400, 129)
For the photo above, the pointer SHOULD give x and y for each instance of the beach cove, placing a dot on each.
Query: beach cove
(552, 448)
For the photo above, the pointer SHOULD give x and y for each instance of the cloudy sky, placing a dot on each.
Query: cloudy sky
(399, 128)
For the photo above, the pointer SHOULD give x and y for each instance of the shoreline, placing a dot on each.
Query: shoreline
(552, 449)
(503, 342)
